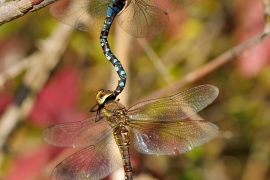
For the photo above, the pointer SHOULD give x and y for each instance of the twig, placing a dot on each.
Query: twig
(156, 60)
(208, 68)
(33, 81)
(17, 68)
(15, 9)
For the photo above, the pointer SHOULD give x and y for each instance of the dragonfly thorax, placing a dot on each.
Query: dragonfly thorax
(115, 114)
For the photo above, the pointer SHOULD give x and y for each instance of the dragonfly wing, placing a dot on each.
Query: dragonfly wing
(93, 162)
(171, 137)
(76, 134)
(179, 106)
(169, 5)
(85, 15)
(142, 20)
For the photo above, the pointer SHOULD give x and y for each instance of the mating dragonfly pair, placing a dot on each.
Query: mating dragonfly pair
(160, 126)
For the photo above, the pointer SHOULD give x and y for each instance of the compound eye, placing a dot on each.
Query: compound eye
(103, 96)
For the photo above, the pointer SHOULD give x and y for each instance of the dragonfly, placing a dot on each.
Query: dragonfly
(140, 18)
(160, 127)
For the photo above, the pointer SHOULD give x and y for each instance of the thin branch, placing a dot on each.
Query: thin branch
(156, 60)
(208, 68)
(17, 68)
(15, 9)
(214, 64)
(33, 81)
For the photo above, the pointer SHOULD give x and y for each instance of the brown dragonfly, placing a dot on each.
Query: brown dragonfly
(160, 126)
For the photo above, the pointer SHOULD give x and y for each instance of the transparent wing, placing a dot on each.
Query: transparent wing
(169, 5)
(76, 134)
(171, 137)
(85, 15)
(93, 162)
(179, 106)
(142, 20)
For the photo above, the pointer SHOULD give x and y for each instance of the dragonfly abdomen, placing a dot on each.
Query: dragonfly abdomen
(113, 10)
(122, 139)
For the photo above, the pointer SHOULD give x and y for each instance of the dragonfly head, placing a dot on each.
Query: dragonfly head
(103, 96)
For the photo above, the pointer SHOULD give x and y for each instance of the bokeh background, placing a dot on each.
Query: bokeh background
(66, 73)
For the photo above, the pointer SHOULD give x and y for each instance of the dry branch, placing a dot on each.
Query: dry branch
(199, 73)
(156, 60)
(15, 9)
(34, 79)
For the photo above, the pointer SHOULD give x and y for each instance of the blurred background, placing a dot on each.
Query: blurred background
(65, 68)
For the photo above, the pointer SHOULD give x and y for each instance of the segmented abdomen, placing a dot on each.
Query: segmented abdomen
(122, 139)
(112, 12)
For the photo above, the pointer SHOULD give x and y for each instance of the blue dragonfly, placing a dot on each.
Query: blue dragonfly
(160, 127)
(140, 18)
